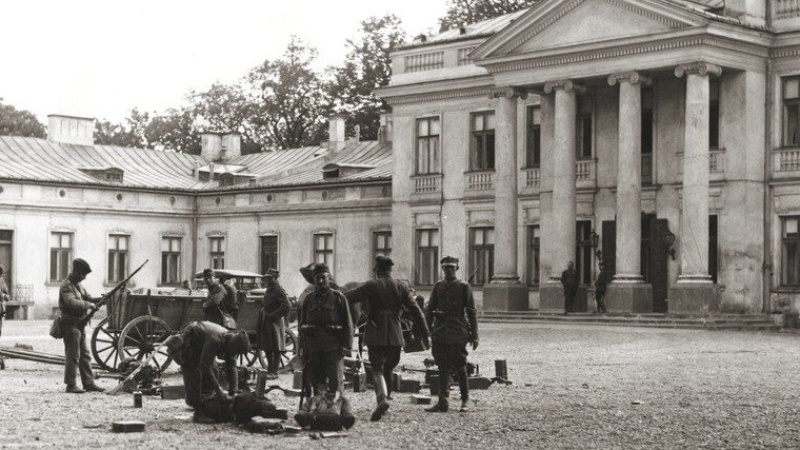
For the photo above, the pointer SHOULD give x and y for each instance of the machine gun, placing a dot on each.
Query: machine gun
(104, 299)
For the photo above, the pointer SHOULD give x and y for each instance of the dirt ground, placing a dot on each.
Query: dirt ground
(574, 387)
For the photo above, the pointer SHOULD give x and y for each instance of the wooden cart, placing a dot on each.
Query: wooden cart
(137, 322)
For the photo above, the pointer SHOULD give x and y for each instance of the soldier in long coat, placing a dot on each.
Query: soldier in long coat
(384, 299)
(570, 282)
(271, 327)
(453, 321)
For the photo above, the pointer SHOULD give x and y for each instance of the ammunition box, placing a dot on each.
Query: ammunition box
(420, 400)
(359, 381)
(297, 381)
(127, 426)
(173, 392)
(408, 386)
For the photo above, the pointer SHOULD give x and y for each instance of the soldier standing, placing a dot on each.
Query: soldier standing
(326, 333)
(271, 326)
(453, 321)
(217, 307)
(196, 348)
(569, 279)
(384, 299)
(600, 285)
(74, 302)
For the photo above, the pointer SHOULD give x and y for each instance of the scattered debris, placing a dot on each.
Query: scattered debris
(127, 426)
(327, 435)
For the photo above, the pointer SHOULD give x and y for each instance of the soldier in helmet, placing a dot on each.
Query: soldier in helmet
(74, 302)
(326, 333)
(383, 299)
(453, 321)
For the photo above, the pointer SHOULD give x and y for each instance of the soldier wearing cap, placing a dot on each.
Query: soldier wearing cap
(271, 327)
(326, 333)
(220, 305)
(74, 302)
(384, 299)
(453, 321)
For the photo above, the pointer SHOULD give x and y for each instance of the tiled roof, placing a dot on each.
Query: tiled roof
(33, 159)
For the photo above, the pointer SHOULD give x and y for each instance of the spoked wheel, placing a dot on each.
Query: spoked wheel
(104, 346)
(141, 337)
(290, 349)
(249, 359)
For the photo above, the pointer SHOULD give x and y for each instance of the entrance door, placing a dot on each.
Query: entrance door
(653, 257)
(5, 255)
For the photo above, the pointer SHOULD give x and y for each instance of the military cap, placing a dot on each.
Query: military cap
(209, 273)
(321, 269)
(80, 265)
(271, 273)
(383, 262)
(449, 261)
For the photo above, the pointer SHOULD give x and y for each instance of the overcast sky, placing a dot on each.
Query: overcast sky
(100, 58)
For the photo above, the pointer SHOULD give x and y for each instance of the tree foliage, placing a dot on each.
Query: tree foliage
(230, 108)
(367, 66)
(464, 12)
(14, 122)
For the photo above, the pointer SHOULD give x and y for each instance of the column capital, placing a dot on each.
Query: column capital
(564, 85)
(632, 77)
(699, 68)
(509, 92)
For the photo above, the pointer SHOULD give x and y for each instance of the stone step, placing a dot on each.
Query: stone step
(717, 321)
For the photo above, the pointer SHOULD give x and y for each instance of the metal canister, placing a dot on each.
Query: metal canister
(137, 399)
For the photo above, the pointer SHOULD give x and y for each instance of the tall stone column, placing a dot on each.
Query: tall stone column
(505, 292)
(562, 232)
(628, 292)
(694, 291)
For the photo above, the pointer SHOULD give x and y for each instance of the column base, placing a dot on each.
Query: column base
(505, 297)
(629, 298)
(551, 298)
(693, 298)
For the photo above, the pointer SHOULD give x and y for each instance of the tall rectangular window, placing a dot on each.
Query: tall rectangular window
(583, 128)
(170, 260)
(117, 257)
(323, 248)
(268, 252)
(713, 114)
(427, 267)
(791, 111)
(482, 147)
(216, 252)
(381, 244)
(481, 255)
(790, 273)
(60, 255)
(583, 251)
(533, 146)
(533, 250)
(428, 131)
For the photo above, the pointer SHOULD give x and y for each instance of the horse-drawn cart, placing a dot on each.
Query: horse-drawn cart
(137, 323)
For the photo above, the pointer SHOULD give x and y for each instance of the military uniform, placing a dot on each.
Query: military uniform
(271, 326)
(384, 299)
(74, 301)
(569, 280)
(453, 322)
(221, 300)
(200, 345)
(326, 333)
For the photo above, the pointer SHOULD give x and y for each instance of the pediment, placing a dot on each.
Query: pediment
(551, 24)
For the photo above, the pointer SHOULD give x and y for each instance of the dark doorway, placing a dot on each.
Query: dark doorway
(653, 257)
(6, 237)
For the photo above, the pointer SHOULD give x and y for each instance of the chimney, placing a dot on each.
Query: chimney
(70, 129)
(336, 133)
(386, 127)
(231, 146)
(211, 147)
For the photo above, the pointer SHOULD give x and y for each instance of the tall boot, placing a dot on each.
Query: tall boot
(441, 406)
(233, 382)
(388, 376)
(463, 386)
(380, 393)
(444, 391)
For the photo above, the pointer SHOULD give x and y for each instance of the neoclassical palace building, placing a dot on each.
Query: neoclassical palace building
(659, 138)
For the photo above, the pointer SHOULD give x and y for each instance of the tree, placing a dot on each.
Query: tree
(293, 100)
(464, 12)
(173, 131)
(23, 123)
(129, 134)
(229, 108)
(367, 66)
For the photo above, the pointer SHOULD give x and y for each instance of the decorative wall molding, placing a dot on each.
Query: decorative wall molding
(632, 77)
(509, 92)
(428, 97)
(646, 13)
(698, 68)
(542, 26)
(563, 85)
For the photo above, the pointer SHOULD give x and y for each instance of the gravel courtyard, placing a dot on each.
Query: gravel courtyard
(574, 387)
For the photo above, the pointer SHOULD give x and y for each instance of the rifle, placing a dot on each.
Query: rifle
(85, 319)
(473, 274)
